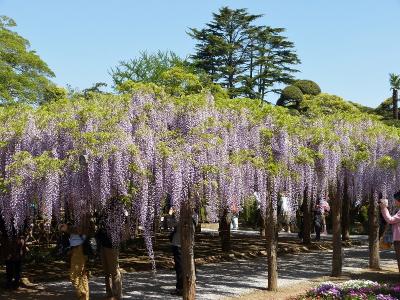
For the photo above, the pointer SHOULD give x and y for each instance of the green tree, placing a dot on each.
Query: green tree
(221, 47)
(385, 109)
(274, 58)
(147, 68)
(178, 82)
(243, 57)
(394, 80)
(308, 87)
(95, 88)
(291, 97)
(53, 93)
(23, 75)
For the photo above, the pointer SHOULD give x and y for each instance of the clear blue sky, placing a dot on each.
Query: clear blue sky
(347, 46)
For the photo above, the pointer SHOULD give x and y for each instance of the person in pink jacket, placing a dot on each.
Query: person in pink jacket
(395, 221)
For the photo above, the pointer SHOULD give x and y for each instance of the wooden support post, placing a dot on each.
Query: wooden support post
(346, 213)
(225, 231)
(373, 211)
(337, 256)
(187, 243)
(307, 219)
(272, 245)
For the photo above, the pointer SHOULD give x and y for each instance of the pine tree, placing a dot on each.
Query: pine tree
(243, 57)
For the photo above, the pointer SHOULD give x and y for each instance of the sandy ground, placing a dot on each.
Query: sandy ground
(243, 278)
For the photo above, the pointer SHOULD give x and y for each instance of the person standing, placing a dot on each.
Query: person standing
(395, 221)
(318, 220)
(16, 249)
(260, 214)
(109, 257)
(78, 271)
(175, 238)
(283, 212)
(235, 217)
(325, 208)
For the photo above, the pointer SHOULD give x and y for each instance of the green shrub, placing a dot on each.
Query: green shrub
(308, 87)
(249, 215)
(291, 96)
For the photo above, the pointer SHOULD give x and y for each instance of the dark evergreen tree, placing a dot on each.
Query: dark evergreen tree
(394, 80)
(243, 57)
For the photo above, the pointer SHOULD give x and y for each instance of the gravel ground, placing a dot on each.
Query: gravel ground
(226, 279)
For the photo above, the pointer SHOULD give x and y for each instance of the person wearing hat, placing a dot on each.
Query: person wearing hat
(395, 221)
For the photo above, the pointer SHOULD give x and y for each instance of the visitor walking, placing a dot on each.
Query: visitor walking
(260, 214)
(15, 248)
(78, 271)
(325, 208)
(109, 257)
(395, 221)
(175, 238)
(235, 217)
(318, 220)
(283, 212)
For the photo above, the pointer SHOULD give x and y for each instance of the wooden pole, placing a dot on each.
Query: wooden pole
(225, 231)
(272, 244)
(345, 213)
(307, 219)
(373, 211)
(337, 256)
(187, 241)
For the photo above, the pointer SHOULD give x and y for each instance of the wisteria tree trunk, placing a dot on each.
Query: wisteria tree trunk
(198, 228)
(307, 220)
(395, 105)
(345, 214)
(187, 241)
(373, 211)
(272, 245)
(262, 225)
(225, 232)
(337, 257)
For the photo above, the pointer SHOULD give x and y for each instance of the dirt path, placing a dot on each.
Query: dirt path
(245, 278)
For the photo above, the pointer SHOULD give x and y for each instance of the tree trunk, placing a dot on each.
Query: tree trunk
(345, 214)
(262, 225)
(225, 232)
(374, 261)
(198, 228)
(307, 220)
(187, 241)
(337, 257)
(272, 245)
(395, 105)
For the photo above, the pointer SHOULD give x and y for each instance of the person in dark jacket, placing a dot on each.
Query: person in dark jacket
(318, 221)
(15, 252)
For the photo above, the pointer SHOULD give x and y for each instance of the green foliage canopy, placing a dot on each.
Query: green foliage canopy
(245, 58)
(23, 75)
(291, 96)
(147, 68)
(308, 87)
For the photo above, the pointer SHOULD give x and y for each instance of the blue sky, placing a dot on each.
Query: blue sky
(348, 47)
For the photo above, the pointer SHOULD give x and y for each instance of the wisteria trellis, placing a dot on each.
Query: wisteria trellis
(76, 155)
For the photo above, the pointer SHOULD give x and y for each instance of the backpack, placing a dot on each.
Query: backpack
(89, 247)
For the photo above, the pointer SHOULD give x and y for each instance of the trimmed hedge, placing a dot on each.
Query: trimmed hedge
(291, 95)
(308, 87)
